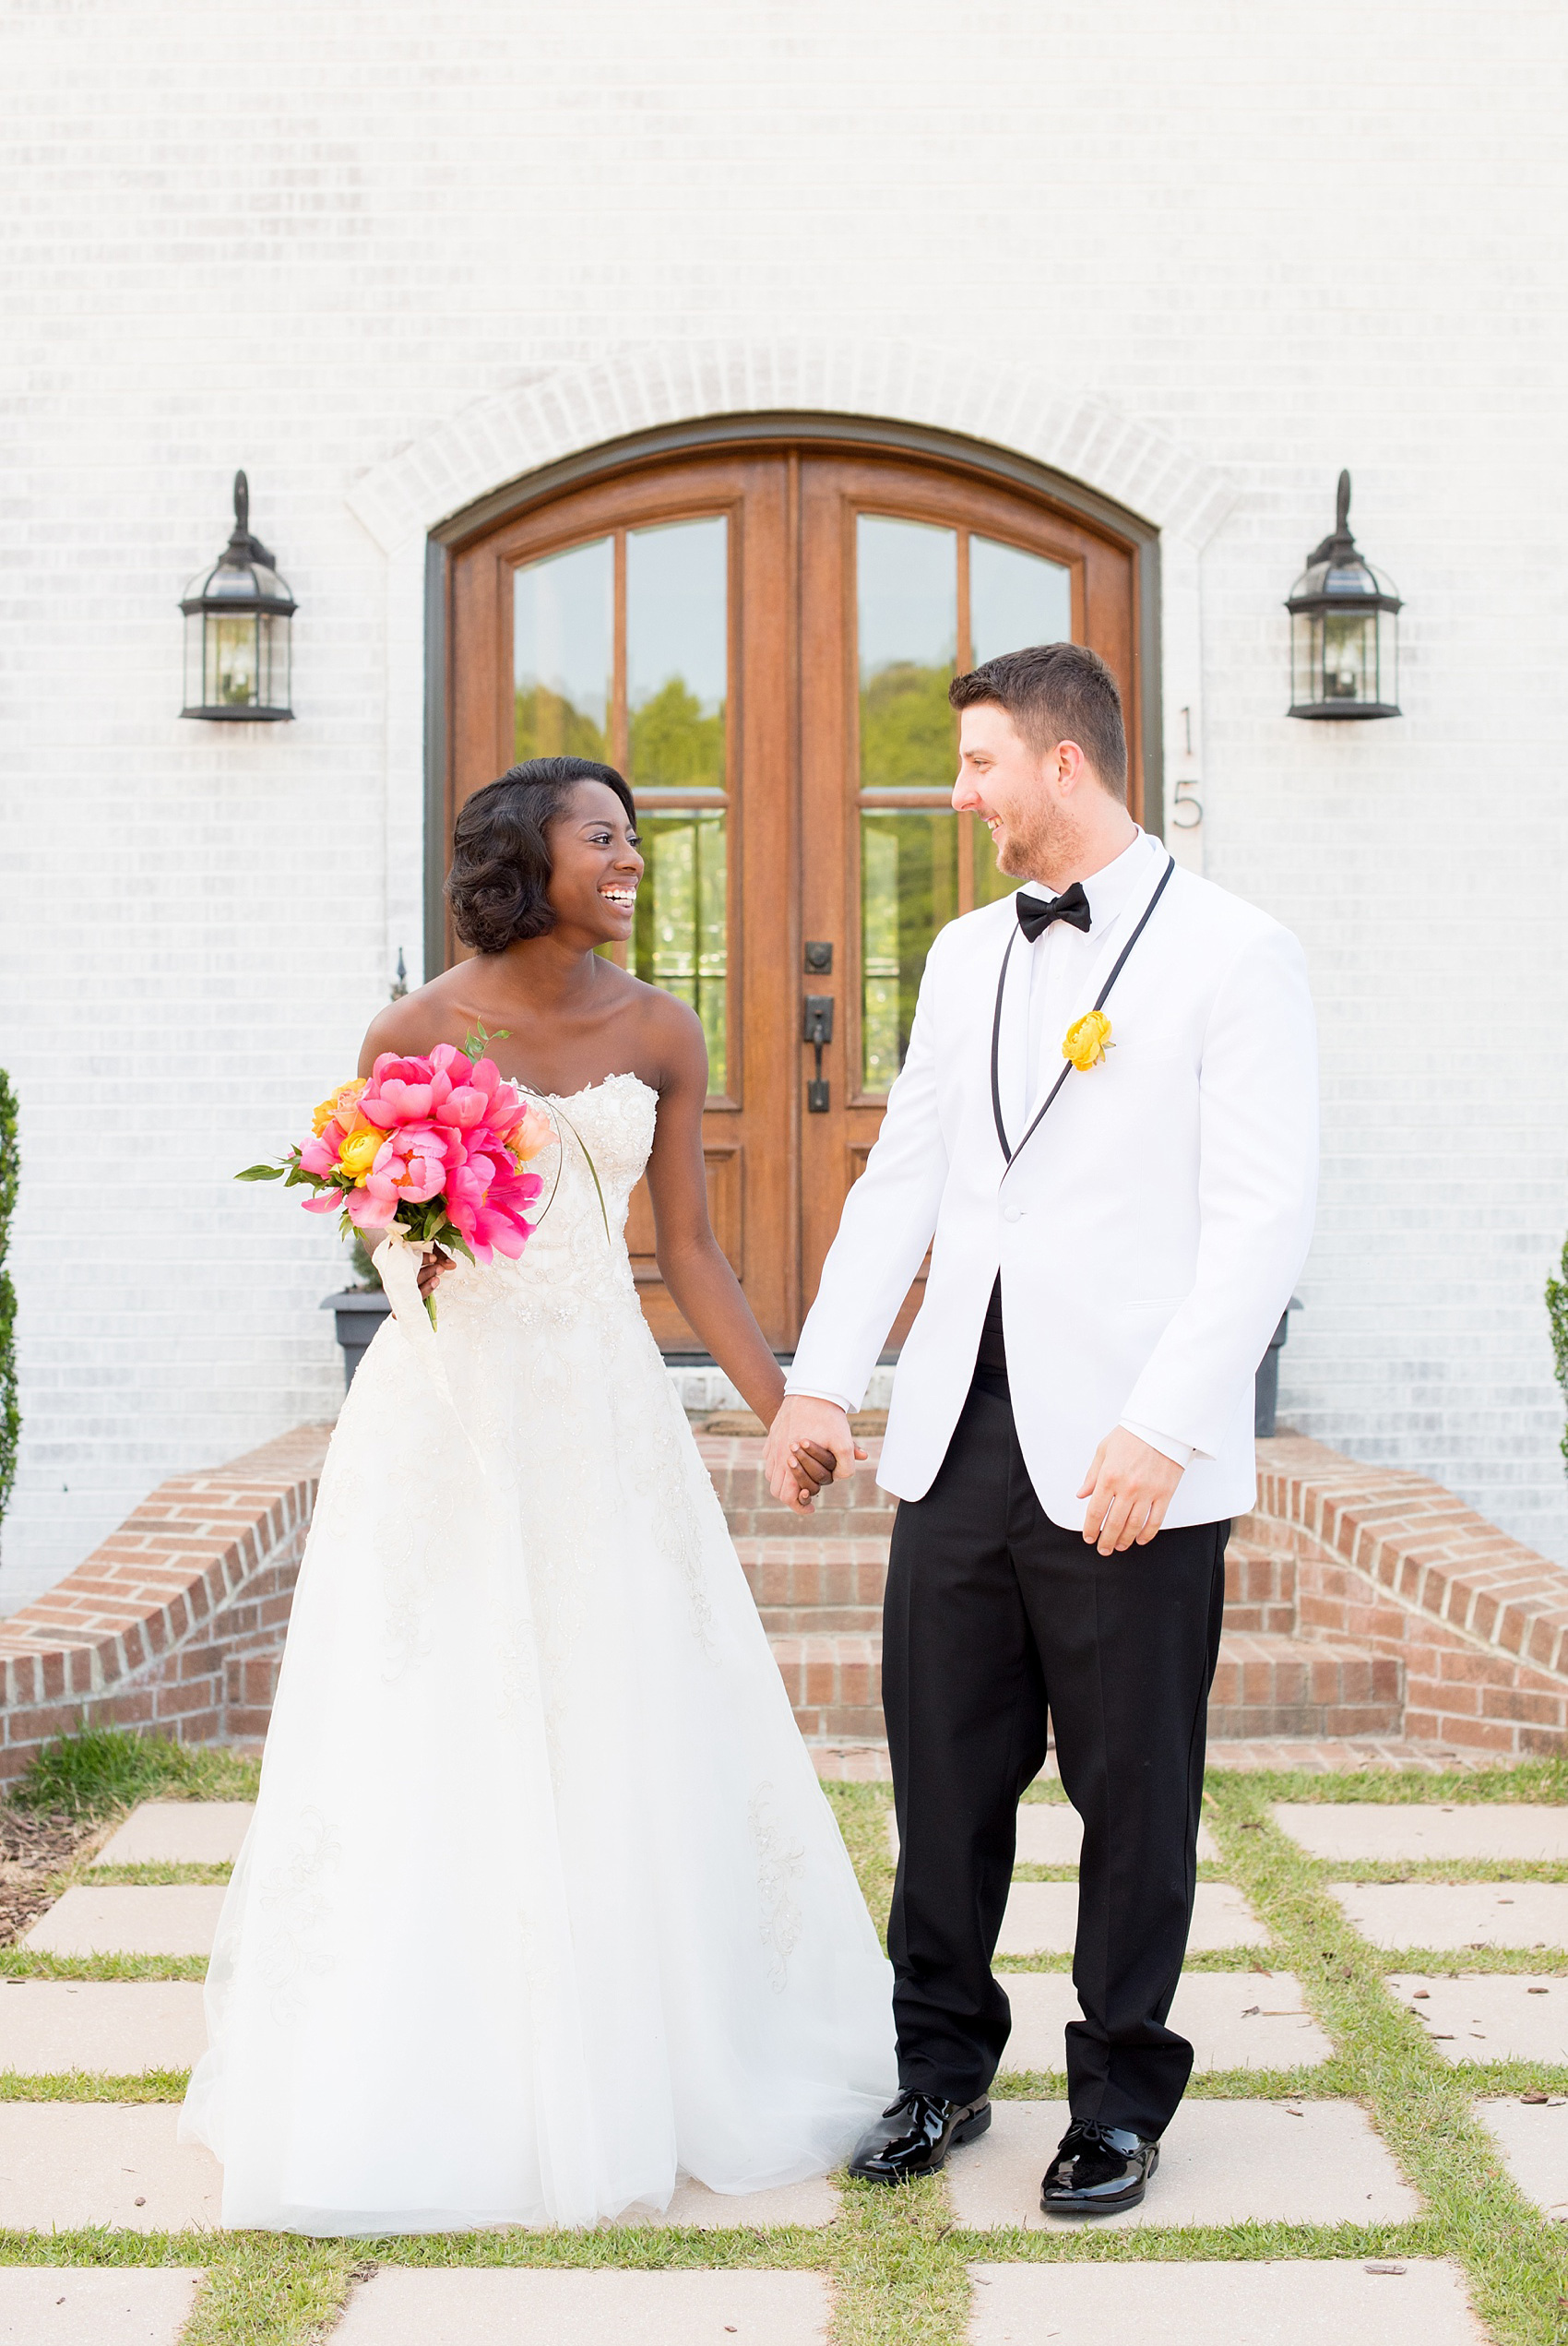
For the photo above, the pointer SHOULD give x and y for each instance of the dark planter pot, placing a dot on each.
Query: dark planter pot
(360, 1312)
(1266, 1395)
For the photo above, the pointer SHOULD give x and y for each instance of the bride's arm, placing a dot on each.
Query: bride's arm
(691, 1262)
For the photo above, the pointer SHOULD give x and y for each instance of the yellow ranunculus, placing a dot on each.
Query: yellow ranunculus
(1088, 1040)
(358, 1152)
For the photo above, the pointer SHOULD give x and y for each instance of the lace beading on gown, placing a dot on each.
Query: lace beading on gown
(542, 1905)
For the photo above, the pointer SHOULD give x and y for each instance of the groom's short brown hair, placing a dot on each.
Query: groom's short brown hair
(1056, 693)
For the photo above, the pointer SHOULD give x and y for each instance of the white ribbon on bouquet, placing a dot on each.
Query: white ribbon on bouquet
(398, 1263)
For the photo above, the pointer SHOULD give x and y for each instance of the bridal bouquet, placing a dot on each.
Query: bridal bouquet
(429, 1150)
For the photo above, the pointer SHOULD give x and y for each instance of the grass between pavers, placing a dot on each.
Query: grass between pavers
(1517, 2263)
(1444, 1869)
(94, 2084)
(33, 1963)
(897, 2260)
(163, 1874)
(260, 2289)
(1527, 1779)
(1213, 1958)
(104, 1769)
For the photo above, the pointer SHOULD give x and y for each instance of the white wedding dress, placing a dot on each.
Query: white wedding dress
(542, 1906)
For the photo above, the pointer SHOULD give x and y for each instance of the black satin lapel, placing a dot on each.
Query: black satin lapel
(1100, 1005)
(996, 1051)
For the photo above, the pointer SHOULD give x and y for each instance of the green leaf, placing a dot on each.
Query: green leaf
(262, 1173)
(477, 1043)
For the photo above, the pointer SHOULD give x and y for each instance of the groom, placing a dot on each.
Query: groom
(1116, 1206)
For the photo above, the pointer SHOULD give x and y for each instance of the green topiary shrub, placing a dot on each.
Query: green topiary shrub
(1557, 1313)
(11, 1414)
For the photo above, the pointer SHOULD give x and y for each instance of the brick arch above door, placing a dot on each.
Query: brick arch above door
(552, 412)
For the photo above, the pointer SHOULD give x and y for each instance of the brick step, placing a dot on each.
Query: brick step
(1264, 1685)
(833, 1683)
(1272, 1686)
(1259, 1588)
(813, 1586)
(834, 1581)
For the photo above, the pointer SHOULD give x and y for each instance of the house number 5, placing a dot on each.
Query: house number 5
(1188, 810)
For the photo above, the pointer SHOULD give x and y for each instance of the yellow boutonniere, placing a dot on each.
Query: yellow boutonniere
(1088, 1040)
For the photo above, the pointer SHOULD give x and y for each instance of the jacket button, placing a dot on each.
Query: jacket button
(1010, 1212)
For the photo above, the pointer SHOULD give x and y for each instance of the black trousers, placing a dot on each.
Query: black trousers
(994, 1614)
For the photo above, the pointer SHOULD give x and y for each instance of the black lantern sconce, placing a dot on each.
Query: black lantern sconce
(1344, 630)
(237, 617)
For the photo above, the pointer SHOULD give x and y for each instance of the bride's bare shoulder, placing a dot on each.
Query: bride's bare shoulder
(417, 1023)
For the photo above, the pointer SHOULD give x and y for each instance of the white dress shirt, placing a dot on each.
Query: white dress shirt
(1061, 958)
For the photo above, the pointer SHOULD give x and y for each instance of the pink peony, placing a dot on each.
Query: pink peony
(411, 1167)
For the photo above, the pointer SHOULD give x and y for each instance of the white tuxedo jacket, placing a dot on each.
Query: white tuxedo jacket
(1147, 1235)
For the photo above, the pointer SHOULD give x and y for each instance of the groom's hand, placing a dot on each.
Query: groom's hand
(1129, 1485)
(803, 1418)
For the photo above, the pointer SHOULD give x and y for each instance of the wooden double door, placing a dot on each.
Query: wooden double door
(761, 639)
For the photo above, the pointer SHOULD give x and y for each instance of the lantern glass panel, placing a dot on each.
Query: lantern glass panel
(1349, 655)
(231, 661)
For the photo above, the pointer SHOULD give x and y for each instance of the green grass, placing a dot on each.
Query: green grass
(32, 1963)
(159, 1877)
(896, 2260)
(93, 2085)
(103, 1770)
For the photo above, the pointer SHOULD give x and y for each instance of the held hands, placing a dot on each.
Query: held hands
(1129, 1485)
(809, 1444)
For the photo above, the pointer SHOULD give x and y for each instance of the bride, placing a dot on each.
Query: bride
(542, 1905)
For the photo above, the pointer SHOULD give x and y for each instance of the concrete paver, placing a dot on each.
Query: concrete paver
(1050, 1833)
(1501, 2017)
(77, 2305)
(1533, 2139)
(118, 2027)
(1457, 1914)
(69, 2164)
(1233, 2020)
(1291, 2301)
(1221, 2162)
(497, 2307)
(694, 2208)
(1392, 1831)
(179, 1919)
(1041, 1919)
(179, 1832)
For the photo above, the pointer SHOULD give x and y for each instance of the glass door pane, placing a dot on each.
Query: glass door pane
(563, 638)
(677, 696)
(908, 890)
(906, 592)
(677, 655)
(679, 941)
(1015, 600)
(907, 643)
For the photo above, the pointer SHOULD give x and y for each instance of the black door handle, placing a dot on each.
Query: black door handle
(816, 1028)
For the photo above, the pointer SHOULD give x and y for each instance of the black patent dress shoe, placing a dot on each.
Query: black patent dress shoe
(914, 2135)
(1097, 2170)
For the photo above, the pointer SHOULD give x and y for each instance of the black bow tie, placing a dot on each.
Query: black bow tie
(1034, 916)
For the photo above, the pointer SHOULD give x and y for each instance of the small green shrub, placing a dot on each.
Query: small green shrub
(10, 1413)
(104, 1769)
(1557, 1314)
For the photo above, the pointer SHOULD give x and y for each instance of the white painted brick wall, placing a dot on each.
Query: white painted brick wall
(1239, 246)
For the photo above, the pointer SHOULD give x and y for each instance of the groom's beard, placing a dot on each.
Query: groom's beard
(1040, 841)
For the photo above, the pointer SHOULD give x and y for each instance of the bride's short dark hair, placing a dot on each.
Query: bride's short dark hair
(501, 851)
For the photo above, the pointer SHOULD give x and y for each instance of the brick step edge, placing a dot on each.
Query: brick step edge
(1263, 1685)
(799, 1583)
(175, 1625)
